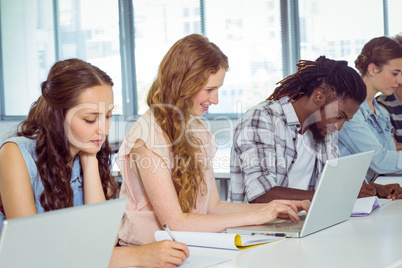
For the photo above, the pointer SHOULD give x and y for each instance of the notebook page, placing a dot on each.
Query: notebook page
(217, 240)
(202, 239)
(364, 206)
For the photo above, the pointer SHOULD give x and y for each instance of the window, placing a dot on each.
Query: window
(395, 17)
(29, 45)
(27, 42)
(249, 33)
(338, 29)
(92, 34)
(253, 34)
(158, 25)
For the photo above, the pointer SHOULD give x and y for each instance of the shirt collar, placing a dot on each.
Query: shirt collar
(289, 112)
(366, 109)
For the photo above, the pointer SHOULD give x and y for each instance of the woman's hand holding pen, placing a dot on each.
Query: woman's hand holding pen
(164, 253)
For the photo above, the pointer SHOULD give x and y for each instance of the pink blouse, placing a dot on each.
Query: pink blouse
(140, 221)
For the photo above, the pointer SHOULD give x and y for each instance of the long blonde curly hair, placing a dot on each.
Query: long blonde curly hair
(183, 72)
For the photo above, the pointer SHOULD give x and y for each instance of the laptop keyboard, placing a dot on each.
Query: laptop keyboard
(291, 225)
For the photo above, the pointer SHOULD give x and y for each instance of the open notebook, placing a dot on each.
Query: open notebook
(365, 205)
(217, 240)
(81, 236)
(332, 203)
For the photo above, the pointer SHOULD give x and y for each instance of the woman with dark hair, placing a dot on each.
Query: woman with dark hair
(393, 104)
(166, 157)
(60, 156)
(380, 65)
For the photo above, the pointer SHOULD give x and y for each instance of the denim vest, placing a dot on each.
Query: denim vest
(27, 148)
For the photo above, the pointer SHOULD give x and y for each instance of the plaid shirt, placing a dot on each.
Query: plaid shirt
(264, 150)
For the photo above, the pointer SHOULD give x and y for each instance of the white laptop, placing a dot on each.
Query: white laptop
(333, 200)
(82, 236)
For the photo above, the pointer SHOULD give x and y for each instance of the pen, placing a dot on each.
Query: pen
(270, 234)
(169, 232)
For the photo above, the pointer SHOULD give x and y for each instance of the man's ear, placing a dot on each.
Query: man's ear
(319, 97)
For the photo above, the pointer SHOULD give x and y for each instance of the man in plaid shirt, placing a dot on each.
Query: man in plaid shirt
(280, 146)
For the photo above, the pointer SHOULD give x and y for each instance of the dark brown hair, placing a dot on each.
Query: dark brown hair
(45, 124)
(379, 51)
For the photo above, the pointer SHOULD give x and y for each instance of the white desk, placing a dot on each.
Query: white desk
(389, 180)
(374, 241)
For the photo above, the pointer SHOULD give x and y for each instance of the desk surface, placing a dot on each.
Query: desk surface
(374, 241)
(389, 180)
